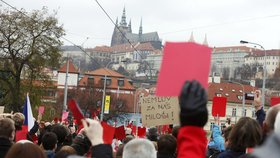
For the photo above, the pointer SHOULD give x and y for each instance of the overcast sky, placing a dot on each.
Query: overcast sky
(225, 22)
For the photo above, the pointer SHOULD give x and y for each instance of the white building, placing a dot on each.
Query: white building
(73, 76)
(155, 59)
(229, 57)
(258, 57)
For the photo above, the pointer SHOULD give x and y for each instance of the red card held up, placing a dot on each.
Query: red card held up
(183, 61)
(108, 133)
(219, 106)
(141, 132)
(274, 101)
(76, 111)
(120, 133)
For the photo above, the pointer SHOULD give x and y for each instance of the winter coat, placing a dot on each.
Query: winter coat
(5, 145)
(218, 142)
(191, 142)
(231, 154)
(270, 148)
(102, 151)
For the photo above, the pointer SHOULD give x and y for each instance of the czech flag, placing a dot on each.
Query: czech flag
(27, 111)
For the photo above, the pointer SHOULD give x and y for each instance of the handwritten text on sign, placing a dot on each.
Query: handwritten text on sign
(159, 110)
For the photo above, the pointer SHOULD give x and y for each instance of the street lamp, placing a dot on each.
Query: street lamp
(103, 96)
(264, 68)
(243, 96)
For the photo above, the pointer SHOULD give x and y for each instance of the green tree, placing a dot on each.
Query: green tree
(29, 42)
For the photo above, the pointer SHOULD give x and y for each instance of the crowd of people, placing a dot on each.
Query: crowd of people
(189, 140)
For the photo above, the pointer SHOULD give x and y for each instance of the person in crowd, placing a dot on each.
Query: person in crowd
(94, 132)
(49, 141)
(260, 113)
(216, 143)
(167, 146)
(191, 140)
(47, 127)
(65, 151)
(246, 133)
(61, 133)
(139, 148)
(81, 144)
(270, 148)
(226, 135)
(25, 149)
(7, 134)
(175, 131)
(153, 134)
(73, 131)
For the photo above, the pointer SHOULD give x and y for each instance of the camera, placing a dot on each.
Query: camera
(249, 96)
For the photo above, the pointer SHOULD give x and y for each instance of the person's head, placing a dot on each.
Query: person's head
(49, 141)
(226, 134)
(7, 128)
(60, 131)
(167, 144)
(25, 150)
(139, 148)
(153, 134)
(19, 120)
(270, 118)
(65, 151)
(119, 153)
(245, 133)
(175, 131)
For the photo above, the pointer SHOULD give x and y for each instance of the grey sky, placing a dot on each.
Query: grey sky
(225, 22)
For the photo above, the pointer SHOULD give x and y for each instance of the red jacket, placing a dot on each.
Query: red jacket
(191, 142)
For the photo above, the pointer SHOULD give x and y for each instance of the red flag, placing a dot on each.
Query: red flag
(274, 101)
(76, 111)
(219, 106)
(108, 133)
(21, 134)
(120, 133)
(141, 132)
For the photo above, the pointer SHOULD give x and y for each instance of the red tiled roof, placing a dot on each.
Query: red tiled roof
(229, 90)
(145, 47)
(122, 48)
(157, 51)
(105, 71)
(101, 49)
(231, 49)
(128, 48)
(71, 69)
(273, 52)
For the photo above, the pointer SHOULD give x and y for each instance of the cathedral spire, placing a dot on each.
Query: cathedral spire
(129, 26)
(205, 42)
(191, 38)
(123, 22)
(117, 21)
(140, 28)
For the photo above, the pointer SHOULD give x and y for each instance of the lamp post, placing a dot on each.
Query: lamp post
(103, 96)
(264, 68)
(243, 96)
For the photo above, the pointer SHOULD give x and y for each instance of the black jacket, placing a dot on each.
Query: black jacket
(102, 151)
(5, 145)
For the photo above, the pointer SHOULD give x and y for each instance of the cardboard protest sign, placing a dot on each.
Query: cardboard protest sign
(159, 110)
(274, 101)
(183, 61)
(219, 106)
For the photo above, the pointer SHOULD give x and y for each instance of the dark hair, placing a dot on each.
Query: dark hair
(61, 132)
(153, 134)
(25, 150)
(120, 151)
(227, 132)
(49, 140)
(7, 127)
(246, 133)
(167, 144)
(175, 131)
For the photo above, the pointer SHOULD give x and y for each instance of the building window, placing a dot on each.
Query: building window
(245, 112)
(108, 81)
(233, 112)
(121, 82)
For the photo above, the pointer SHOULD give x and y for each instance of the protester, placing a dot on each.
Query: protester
(192, 140)
(65, 151)
(216, 143)
(226, 135)
(49, 141)
(258, 107)
(175, 131)
(7, 134)
(81, 144)
(152, 134)
(61, 133)
(139, 148)
(246, 133)
(25, 149)
(167, 146)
